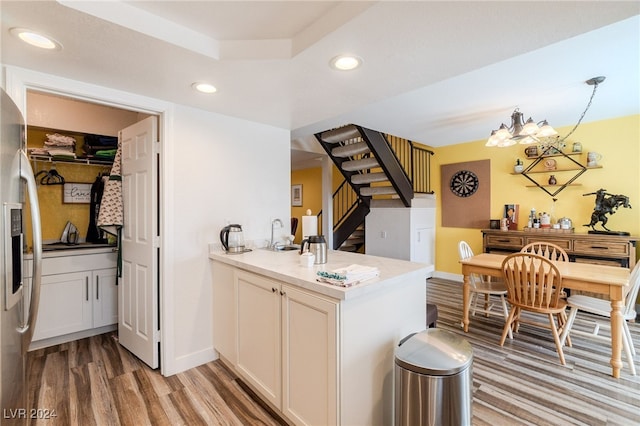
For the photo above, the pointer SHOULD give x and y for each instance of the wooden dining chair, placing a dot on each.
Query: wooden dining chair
(531, 282)
(480, 286)
(549, 250)
(594, 305)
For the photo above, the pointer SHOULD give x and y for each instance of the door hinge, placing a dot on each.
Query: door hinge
(156, 241)
(156, 335)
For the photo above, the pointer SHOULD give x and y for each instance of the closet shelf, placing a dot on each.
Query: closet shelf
(82, 161)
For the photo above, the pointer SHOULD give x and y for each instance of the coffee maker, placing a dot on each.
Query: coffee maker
(232, 239)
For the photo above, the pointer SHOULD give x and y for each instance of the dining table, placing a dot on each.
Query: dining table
(610, 281)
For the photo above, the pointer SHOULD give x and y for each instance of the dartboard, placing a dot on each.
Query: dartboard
(464, 183)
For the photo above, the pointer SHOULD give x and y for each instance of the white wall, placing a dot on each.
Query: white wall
(224, 170)
(401, 232)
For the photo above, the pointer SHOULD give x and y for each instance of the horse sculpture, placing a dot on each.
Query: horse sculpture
(606, 204)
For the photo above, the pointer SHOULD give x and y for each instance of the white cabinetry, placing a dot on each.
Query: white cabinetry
(316, 354)
(224, 311)
(286, 340)
(78, 294)
(65, 305)
(105, 297)
(309, 358)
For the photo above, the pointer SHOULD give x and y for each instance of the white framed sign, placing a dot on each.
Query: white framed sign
(77, 193)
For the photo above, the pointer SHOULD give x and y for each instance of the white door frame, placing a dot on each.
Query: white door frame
(19, 80)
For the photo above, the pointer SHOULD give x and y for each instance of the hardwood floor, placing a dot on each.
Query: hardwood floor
(95, 381)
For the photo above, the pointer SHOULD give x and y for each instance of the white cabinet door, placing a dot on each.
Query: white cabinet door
(259, 343)
(105, 297)
(65, 305)
(309, 358)
(224, 312)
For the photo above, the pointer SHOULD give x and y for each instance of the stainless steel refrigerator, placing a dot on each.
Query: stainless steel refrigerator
(19, 297)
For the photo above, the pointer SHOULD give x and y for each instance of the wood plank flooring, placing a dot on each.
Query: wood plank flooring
(95, 381)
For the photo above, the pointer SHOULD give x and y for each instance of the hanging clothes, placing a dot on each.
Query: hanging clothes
(94, 233)
(111, 214)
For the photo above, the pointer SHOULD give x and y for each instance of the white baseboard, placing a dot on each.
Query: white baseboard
(447, 276)
(192, 360)
(58, 340)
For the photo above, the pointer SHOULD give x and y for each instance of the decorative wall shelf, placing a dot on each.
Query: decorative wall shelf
(569, 165)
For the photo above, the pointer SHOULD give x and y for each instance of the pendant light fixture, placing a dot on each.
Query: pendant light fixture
(530, 132)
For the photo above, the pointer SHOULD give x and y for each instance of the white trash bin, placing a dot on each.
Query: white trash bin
(433, 379)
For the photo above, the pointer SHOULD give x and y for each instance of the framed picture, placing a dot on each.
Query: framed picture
(77, 193)
(296, 195)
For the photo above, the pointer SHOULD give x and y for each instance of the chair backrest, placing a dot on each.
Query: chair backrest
(549, 250)
(465, 252)
(531, 280)
(294, 225)
(632, 295)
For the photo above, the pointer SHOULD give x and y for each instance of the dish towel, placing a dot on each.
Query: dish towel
(348, 276)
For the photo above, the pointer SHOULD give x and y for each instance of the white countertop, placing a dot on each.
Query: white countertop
(72, 252)
(285, 267)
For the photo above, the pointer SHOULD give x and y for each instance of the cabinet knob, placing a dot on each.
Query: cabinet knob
(273, 289)
(283, 293)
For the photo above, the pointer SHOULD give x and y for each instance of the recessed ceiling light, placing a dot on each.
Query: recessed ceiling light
(204, 87)
(346, 62)
(36, 39)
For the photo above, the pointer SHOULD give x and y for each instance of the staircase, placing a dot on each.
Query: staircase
(372, 171)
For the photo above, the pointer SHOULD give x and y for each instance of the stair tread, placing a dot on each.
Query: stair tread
(354, 241)
(350, 150)
(377, 190)
(363, 178)
(340, 134)
(365, 163)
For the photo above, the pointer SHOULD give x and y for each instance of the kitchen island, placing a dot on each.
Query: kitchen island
(316, 353)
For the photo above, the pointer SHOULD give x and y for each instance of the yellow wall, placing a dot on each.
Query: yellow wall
(311, 180)
(618, 140)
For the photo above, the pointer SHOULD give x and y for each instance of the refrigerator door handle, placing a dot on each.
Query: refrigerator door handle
(31, 312)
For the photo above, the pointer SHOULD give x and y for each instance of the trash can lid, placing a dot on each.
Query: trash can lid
(435, 352)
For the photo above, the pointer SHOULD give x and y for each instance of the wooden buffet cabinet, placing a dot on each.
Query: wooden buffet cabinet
(602, 249)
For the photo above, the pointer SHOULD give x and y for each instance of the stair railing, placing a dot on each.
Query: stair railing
(416, 162)
(345, 200)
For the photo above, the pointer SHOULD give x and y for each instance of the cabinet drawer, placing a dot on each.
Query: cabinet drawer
(514, 242)
(601, 248)
(607, 262)
(565, 243)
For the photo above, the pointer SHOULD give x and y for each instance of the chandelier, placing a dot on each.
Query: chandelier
(530, 132)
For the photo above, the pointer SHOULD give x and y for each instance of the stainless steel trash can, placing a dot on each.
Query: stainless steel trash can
(433, 379)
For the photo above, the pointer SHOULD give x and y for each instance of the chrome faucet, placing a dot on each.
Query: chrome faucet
(273, 244)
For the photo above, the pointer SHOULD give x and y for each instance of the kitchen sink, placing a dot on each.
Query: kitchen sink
(289, 247)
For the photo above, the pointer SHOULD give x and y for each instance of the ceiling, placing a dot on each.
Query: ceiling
(436, 72)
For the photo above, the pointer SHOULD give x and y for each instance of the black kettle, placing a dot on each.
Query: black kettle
(232, 239)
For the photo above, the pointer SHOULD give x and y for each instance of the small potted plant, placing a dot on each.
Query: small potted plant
(519, 167)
